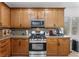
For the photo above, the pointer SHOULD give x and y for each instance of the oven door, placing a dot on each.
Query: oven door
(37, 46)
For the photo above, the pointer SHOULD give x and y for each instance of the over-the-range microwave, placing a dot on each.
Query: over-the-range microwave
(37, 23)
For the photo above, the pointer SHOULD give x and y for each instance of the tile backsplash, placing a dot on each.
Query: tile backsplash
(33, 29)
(23, 31)
(18, 31)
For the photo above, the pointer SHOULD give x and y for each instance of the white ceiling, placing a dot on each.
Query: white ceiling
(42, 4)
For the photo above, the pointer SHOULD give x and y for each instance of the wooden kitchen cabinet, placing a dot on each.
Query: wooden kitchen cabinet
(20, 18)
(58, 46)
(41, 14)
(15, 18)
(60, 17)
(19, 47)
(25, 21)
(50, 18)
(37, 14)
(33, 13)
(5, 48)
(54, 17)
(4, 15)
(52, 47)
(63, 46)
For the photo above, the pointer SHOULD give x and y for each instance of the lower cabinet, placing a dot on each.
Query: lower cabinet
(51, 47)
(19, 47)
(5, 48)
(58, 46)
(63, 46)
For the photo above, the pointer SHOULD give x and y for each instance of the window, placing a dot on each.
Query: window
(71, 26)
(67, 25)
(75, 23)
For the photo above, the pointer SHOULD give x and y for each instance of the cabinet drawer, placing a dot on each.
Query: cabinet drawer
(52, 49)
(4, 42)
(4, 50)
(51, 40)
(51, 54)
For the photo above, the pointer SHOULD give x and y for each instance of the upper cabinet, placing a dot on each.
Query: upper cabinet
(20, 18)
(60, 17)
(33, 13)
(4, 15)
(25, 19)
(50, 18)
(41, 14)
(15, 18)
(37, 14)
(54, 17)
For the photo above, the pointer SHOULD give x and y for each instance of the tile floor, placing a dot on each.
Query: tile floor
(74, 54)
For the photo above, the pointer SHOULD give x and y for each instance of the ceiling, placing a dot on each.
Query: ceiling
(42, 4)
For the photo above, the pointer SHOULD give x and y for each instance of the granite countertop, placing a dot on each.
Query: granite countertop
(65, 36)
(5, 37)
(17, 36)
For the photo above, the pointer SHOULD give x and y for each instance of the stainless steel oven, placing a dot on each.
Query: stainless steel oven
(37, 46)
(37, 23)
(37, 49)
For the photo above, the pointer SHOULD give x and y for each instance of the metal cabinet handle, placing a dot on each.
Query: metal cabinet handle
(58, 44)
(0, 24)
(20, 25)
(19, 43)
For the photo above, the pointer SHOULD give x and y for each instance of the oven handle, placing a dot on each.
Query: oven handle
(37, 42)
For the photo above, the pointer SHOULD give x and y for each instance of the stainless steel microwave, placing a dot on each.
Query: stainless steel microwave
(37, 23)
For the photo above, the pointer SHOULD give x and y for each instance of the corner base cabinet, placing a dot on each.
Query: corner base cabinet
(58, 46)
(5, 48)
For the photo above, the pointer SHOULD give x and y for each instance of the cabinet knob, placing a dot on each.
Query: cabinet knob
(0, 24)
(58, 44)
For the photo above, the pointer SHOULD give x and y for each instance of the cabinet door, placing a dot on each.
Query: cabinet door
(60, 17)
(50, 18)
(19, 47)
(51, 47)
(63, 46)
(5, 48)
(15, 44)
(33, 13)
(15, 18)
(40, 14)
(5, 15)
(24, 49)
(25, 19)
(0, 14)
